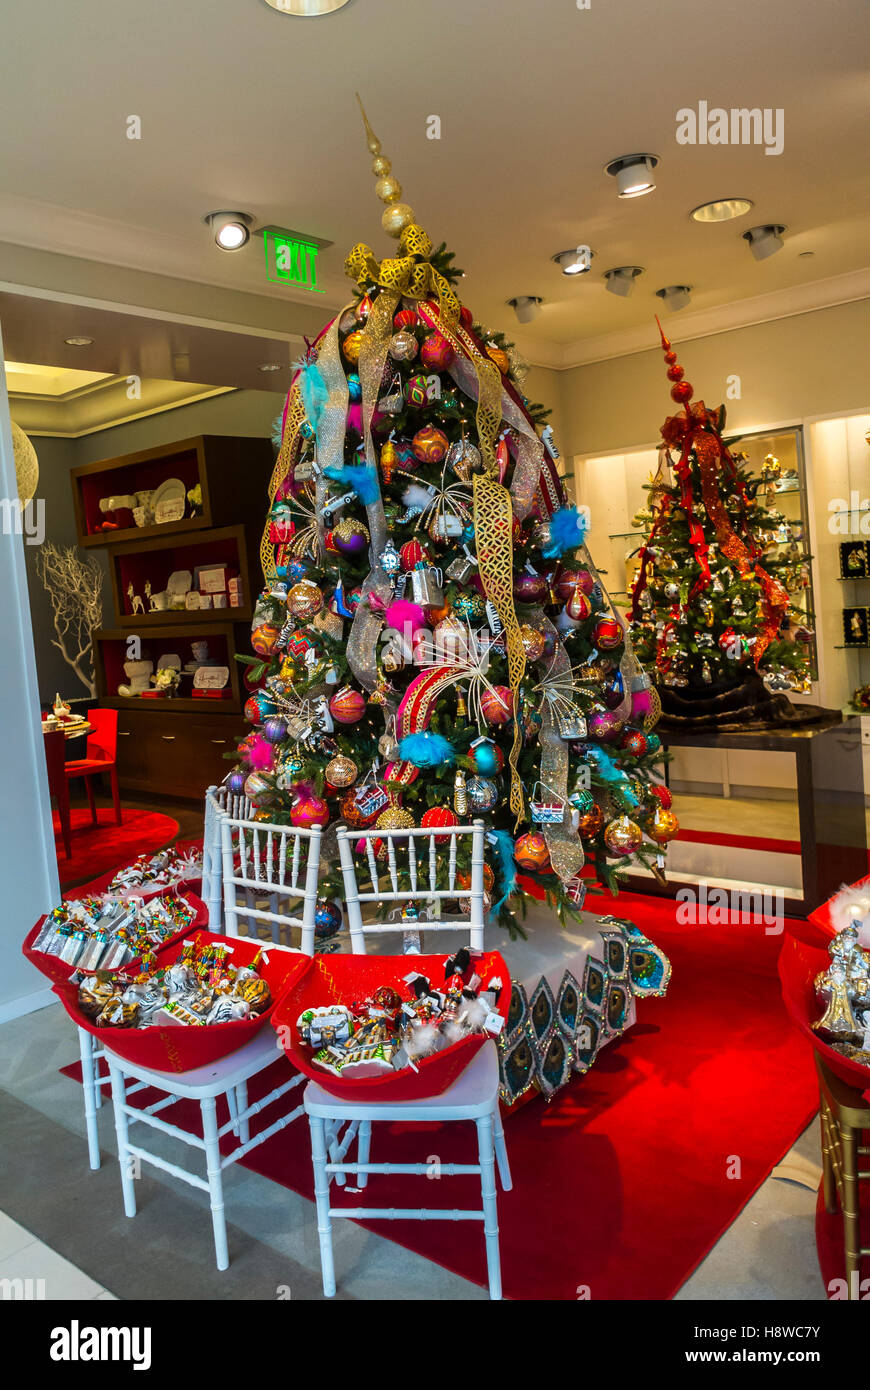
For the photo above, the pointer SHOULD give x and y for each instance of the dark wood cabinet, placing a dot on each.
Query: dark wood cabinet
(179, 754)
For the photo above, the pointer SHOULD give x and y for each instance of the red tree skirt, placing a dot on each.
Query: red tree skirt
(106, 846)
(621, 1184)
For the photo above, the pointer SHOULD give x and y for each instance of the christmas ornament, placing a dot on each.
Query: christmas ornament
(354, 387)
(464, 459)
(488, 758)
(578, 607)
(417, 390)
(362, 806)
(533, 641)
(264, 639)
(327, 918)
(352, 346)
(531, 852)
(622, 836)
(530, 588)
(403, 346)
(482, 793)
(497, 704)
(275, 729)
(607, 634)
(412, 554)
(305, 599)
(308, 810)
(395, 818)
(662, 825)
(405, 318)
(469, 606)
(347, 705)
(439, 816)
(570, 580)
(258, 707)
(591, 823)
(340, 771)
(235, 782)
(464, 879)
(389, 560)
(436, 354)
(430, 444)
(635, 743)
(603, 724)
(350, 536)
(499, 357)
(460, 793)
(257, 788)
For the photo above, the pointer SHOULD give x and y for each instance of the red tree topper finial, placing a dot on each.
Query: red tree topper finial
(681, 391)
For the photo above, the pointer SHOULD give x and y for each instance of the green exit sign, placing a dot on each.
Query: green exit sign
(291, 258)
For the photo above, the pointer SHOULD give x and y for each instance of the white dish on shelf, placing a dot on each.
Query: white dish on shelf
(170, 497)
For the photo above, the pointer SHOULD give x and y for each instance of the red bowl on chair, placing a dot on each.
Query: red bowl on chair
(175, 1047)
(56, 969)
(800, 961)
(340, 979)
(821, 916)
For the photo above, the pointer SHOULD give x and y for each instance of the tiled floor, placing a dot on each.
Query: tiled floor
(30, 1269)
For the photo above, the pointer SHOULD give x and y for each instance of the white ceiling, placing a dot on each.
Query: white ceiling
(244, 107)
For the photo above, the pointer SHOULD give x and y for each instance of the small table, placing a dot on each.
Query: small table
(71, 730)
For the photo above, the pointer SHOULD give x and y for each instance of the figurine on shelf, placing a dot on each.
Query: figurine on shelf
(136, 604)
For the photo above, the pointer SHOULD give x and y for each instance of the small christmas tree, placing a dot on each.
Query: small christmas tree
(711, 613)
(433, 642)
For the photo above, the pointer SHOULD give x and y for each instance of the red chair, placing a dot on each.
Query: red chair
(58, 787)
(102, 754)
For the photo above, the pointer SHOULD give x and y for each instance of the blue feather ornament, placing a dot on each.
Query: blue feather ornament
(278, 431)
(314, 393)
(426, 750)
(567, 532)
(359, 476)
(505, 868)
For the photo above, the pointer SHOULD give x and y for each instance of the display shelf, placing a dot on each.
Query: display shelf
(153, 561)
(112, 649)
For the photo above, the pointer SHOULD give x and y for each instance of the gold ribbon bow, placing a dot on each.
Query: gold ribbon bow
(411, 274)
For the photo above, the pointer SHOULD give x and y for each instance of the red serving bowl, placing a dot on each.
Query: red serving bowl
(340, 979)
(174, 1047)
(804, 953)
(57, 970)
(821, 916)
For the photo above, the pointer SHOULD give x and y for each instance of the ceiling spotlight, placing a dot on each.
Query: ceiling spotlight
(575, 262)
(633, 174)
(722, 210)
(764, 241)
(621, 280)
(232, 230)
(526, 307)
(78, 342)
(675, 297)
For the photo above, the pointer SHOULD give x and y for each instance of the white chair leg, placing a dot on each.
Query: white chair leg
(89, 1066)
(501, 1156)
(233, 1109)
(95, 1062)
(321, 1197)
(215, 1179)
(490, 1208)
(242, 1102)
(364, 1148)
(119, 1100)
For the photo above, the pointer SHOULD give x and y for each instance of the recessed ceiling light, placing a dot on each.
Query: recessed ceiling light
(722, 210)
(526, 307)
(310, 8)
(633, 174)
(621, 279)
(675, 297)
(765, 241)
(575, 262)
(78, 342)
(232, 230)
(271, 367)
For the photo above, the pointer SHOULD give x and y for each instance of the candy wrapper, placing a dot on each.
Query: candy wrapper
(163, 870)
(104, 933)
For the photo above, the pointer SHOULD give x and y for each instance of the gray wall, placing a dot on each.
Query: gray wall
(240, 413)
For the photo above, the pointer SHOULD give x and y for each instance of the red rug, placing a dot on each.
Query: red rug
(105, 846)
(628, 1178)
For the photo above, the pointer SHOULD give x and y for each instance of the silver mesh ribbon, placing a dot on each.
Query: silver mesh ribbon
(333, 419)
(529, 449)
(563, 843)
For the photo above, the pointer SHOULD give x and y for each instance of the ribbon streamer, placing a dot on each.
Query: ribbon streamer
(566, 851)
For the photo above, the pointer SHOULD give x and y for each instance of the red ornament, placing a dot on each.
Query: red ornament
(662, 794)
(497, 704)
(682, 392)
(436, 352)
(634, 743)
(466, 317)
(440, 816)
(308, 810)
(578, 607)
(405, 318)
(530, 852)
(607, 634)
(411, 555)
(530, 588)
(347, 706)
(253, 710)
(567, 581)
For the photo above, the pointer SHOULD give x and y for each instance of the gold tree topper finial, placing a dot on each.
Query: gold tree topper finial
(396, 215)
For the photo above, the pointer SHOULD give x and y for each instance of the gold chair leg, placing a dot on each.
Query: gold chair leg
(829, 1187)
(851, 1205)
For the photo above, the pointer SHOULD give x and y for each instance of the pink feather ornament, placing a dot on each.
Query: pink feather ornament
(403, 615)
(261, 754)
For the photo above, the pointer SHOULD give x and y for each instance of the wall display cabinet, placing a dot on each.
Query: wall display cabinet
(182, 526)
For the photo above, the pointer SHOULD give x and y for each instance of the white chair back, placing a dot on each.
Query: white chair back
(274, 861)
(421, 865)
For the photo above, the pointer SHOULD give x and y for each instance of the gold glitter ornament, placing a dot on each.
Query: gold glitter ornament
(341, 771)
(395, 218)
(662, 826)
(352, 346)
(394, 818)
(622, 836)
(305, 599)
(388, 189)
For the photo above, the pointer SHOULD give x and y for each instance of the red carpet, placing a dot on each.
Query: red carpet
(105, 846)
(621, 1184)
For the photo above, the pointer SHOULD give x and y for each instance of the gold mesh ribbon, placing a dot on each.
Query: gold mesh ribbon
(410, 274)
(493, 526)
(566, 851)
(286, 460)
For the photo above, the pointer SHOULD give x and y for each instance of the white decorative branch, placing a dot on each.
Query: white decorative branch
(75, 587)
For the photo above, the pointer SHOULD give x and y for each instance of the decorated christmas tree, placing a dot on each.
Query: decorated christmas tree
(434, 643)
(712, 618)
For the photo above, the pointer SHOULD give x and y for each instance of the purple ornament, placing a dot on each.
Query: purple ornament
(530, 588)
(275, 729)
(235, 783)
(353, 544)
